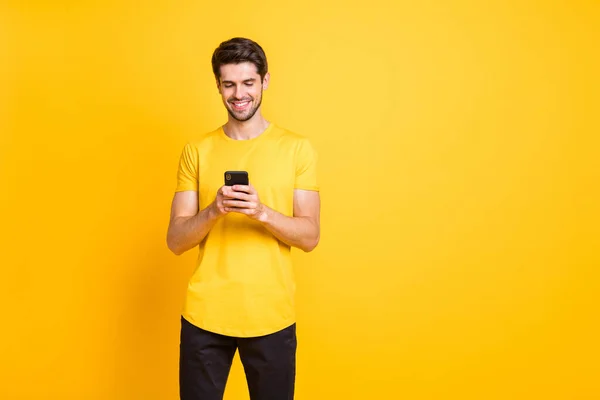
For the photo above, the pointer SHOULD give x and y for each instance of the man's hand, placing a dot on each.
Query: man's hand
(302, 230)
(242, 199)
(218, 206)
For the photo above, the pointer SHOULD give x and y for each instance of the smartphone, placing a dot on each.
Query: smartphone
(236, 178)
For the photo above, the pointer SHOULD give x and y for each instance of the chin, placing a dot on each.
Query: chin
(242, 117)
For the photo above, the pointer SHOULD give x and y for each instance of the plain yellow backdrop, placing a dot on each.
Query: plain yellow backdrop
(460, 229)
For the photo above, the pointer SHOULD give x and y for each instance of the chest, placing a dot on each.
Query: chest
(271, 169)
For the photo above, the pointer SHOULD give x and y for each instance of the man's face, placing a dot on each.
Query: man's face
(241, 89)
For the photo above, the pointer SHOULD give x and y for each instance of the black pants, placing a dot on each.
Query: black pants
(205, 361)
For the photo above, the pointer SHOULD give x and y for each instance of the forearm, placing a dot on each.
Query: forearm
(187, 232)
(300, 232)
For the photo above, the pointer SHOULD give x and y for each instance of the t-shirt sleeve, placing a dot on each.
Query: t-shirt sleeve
(187, 173)
(306, 167)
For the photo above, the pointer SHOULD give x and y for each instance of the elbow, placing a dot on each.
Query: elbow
(310, 245)
(175, 249)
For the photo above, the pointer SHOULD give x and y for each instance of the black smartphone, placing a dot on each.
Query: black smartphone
(236, 178)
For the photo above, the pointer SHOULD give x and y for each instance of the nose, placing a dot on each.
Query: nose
(239, 92)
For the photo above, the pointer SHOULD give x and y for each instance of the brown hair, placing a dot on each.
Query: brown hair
(238, 50)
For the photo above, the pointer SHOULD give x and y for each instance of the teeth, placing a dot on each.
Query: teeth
(241, 105)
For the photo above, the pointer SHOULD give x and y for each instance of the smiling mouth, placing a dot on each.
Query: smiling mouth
(240, 105)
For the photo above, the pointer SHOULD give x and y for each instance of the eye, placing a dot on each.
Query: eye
(249, 83)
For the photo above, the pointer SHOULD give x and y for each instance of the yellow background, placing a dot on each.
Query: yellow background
(459, 254)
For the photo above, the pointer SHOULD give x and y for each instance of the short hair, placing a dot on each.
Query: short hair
(238, 50)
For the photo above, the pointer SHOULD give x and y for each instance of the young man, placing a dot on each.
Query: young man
(241, 294)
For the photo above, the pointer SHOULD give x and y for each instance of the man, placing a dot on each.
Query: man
(241, 294)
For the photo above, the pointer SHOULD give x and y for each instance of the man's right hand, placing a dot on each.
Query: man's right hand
(218, 206)
(227, 198)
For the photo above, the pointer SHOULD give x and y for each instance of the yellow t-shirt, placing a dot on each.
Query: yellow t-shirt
(243, 284)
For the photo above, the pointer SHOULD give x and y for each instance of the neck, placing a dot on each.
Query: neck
(244, 130)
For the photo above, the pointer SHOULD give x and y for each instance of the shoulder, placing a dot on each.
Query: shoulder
(283, 132)
(291, 138)
(298, 146)
(200, 145)
(202, 139)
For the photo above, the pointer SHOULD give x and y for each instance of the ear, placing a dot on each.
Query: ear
(266, 80)
(218, 82)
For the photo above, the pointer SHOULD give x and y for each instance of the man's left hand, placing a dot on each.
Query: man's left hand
(244, 199)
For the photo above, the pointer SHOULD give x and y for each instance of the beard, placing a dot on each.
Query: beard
(240, 116)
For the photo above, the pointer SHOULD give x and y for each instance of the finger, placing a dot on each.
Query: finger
(238, 195)
(238, 204)
(239, 210)
(227, 190)
(241, 196)
(241, 188)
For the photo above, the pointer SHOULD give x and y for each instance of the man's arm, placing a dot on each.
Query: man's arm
(188, 226)
(302, 230)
